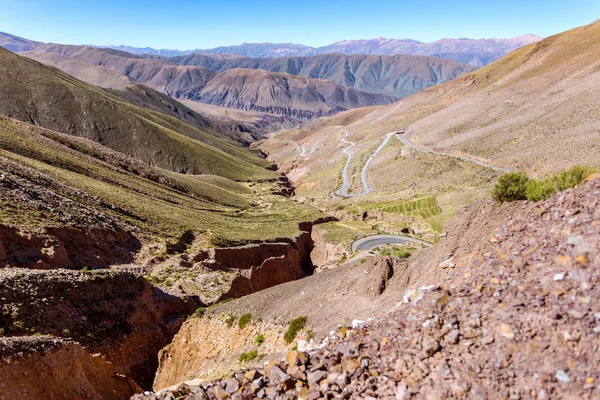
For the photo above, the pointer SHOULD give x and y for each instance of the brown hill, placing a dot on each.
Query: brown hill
(47, 97)
(398, 75)
(292, 97)
(283, 94)
(15, 43)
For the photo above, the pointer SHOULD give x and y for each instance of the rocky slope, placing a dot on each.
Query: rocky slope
(518, 321)
(397, 75)
(206, 347)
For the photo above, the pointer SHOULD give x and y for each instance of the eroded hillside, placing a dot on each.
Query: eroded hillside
(517, 318)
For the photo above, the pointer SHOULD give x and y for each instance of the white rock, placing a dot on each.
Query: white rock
(559, 277)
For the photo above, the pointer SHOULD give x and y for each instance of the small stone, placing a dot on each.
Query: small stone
(350, 365)
(316, 377)
(251, 375)
(487, 340)
(559, 277)
(257, 384)
(296, 358)
(507, 331)
(277, 376)
(562, 377)
(452, 337)
(303, 394)
(232, 385)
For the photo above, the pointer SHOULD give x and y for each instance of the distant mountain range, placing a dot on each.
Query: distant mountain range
(394, 75)
(475, 52)
(296, 97)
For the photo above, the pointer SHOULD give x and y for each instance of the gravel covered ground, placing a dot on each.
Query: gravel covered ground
(522, 322)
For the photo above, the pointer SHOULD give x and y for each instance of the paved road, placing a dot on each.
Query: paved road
(371, 242)
(403, 139)
(343, 191)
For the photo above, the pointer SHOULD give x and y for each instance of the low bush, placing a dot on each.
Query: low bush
(517, 185)
(244, 320)
(247, 357)
(572, 177)
(539, 189)
(199, 312)
(230, 321)
(511, 187)
(296, 325)
(260, 339)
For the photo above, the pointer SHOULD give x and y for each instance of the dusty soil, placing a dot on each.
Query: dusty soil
(518, 322)
(53, 368)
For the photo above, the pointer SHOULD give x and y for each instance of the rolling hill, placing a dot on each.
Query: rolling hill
(398, 76)
(15, 43)
(47, 97)
(80, 157)
(294, 97)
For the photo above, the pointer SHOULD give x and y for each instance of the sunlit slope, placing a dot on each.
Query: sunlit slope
(47, 97)
(535, 109)
(53, 180)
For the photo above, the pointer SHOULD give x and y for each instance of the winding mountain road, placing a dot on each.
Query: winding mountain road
(343, 191)
(371, 242)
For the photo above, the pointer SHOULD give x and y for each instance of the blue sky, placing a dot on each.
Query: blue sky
(185, 24)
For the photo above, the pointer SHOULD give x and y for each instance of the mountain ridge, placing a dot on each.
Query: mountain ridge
(479, 52)
(310, 98)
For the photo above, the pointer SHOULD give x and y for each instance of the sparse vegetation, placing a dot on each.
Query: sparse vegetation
(518, 186)
(511, 187)
(296, 325)
(230, 320)
(244, 320)
(199, 312)
(260, 339)
(249, 356)
(395, 251)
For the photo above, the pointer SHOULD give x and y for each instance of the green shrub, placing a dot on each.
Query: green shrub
(511, 187)
(244, 320)
(260, 339)
(296, 326)
(402, 253)
(247, 357)
(230, 321)
(199, 312)
(517, 186)
(540, 189)
(572, 177)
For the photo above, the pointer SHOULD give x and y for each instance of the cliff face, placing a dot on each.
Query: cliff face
(264, 265)
(116, 314)
(71, 248)
(49, 368)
